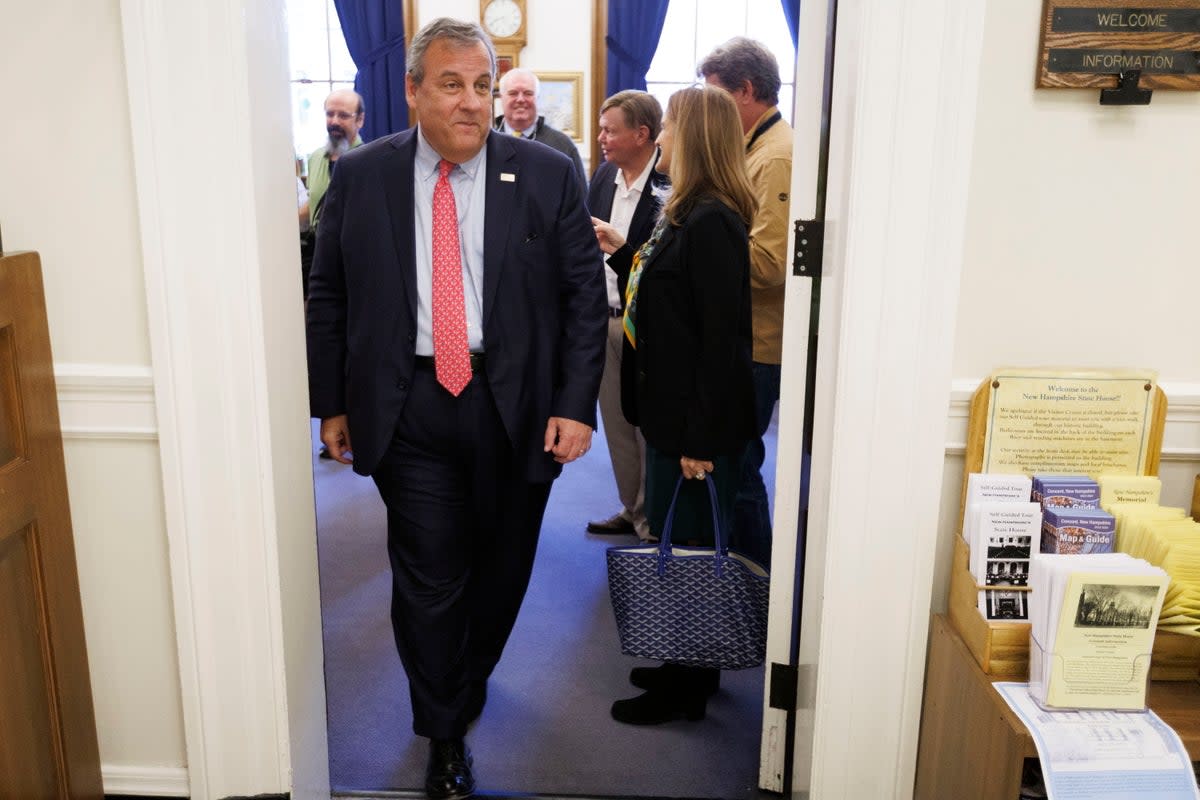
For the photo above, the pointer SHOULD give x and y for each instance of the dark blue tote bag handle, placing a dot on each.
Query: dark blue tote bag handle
(664, 543)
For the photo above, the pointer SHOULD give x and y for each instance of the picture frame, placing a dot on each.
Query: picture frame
(561, 102)
(504, 62)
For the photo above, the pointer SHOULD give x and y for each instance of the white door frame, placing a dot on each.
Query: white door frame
(211, 128)
(806, 145)
(211, 132)
(901, 130)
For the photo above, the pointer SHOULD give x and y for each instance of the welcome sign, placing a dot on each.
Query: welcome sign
(1089, 43)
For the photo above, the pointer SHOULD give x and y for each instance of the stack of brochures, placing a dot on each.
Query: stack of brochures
(1144, 489)
(1168, 538)
(1066, 491)
(1002, 529)
(1072, 520)
(1093, 619)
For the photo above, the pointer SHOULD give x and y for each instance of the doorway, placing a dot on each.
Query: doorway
(359, 748)
(903, 249)
(546, 730)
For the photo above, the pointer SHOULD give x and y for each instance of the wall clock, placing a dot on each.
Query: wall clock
(504, 20)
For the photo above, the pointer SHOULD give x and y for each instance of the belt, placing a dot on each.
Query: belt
(477, 363)
(616, 312)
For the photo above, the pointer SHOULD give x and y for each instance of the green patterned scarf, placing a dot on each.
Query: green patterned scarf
(635, 277)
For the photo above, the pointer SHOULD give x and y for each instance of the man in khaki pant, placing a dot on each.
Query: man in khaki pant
(749, 72)
(623, 193)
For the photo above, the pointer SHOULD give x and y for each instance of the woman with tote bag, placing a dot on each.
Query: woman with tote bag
(686, 370)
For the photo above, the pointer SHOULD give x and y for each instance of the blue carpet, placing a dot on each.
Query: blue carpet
(546, 729)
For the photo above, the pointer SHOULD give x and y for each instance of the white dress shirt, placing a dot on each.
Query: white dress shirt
(625, 201)
(468, 182)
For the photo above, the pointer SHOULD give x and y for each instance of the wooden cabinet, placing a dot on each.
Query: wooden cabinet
(973, 745)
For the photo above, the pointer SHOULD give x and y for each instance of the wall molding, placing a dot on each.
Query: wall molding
(116, 402)
(144, 781)
(106, 401)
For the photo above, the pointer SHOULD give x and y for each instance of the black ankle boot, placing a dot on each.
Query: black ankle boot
(699, 679)
(659, 706)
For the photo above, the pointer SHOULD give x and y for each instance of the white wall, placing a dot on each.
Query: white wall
(560, 40)
(67, 190)
(1080, 245)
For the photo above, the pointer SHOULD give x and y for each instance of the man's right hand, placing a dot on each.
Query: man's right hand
(335, 435)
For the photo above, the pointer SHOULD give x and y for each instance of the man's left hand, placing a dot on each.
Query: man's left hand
(567, 439)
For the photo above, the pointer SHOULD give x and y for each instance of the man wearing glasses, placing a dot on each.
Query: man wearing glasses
(344, 115)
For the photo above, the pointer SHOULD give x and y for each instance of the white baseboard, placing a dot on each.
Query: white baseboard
(145, 781)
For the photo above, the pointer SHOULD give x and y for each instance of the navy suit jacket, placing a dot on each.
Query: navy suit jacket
(601, 191)
(544, 303)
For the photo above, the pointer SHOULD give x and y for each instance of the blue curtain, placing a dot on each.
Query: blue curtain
(634, 27)
(791, 11)
(374, 31)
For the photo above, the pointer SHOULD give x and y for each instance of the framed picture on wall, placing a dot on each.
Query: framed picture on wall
(561, 102)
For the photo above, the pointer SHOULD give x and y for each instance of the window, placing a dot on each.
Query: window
(319, 63)
(694, 27)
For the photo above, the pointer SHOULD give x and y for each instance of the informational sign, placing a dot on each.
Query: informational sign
(1117, 755)
(1083, 422)
(1089, 43)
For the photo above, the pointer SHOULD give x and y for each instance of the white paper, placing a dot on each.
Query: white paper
(1104, 755)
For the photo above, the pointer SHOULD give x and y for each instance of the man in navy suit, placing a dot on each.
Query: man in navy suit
(456, 323)
(626, 192)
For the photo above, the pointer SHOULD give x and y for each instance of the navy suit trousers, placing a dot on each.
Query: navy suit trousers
(463, 527)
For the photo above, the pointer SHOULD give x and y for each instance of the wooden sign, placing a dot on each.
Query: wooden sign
(1089, 43)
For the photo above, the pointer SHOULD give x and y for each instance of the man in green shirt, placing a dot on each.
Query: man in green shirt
(344, 115)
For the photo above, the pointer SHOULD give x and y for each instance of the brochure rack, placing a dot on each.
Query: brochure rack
(1001, 649)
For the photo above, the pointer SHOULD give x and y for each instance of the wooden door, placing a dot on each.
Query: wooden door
(47, 726)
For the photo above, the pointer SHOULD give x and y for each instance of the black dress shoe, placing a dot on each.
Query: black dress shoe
(666, 676)
(613, 526)
(655, 708)
(448, 776)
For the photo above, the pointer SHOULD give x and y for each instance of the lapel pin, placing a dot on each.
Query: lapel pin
(508, 177)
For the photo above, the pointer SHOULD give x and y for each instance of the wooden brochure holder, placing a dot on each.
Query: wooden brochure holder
(1002, 648)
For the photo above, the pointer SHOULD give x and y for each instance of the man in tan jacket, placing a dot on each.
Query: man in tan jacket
(749, 72)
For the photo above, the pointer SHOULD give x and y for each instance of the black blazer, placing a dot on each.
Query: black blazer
(601, 192)
(688, 385)
(544, 309)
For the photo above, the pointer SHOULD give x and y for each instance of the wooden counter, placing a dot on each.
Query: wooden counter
(974, 746)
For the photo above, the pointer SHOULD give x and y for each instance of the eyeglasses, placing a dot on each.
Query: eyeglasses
(342, 115)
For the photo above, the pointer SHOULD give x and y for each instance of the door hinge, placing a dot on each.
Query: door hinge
(783, 686)
(810, 243)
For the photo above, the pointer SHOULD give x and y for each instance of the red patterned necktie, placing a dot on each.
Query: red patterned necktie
(451, 355)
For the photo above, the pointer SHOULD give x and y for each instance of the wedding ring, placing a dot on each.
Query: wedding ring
(700, 475)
